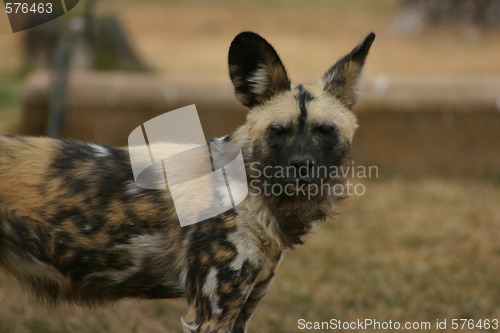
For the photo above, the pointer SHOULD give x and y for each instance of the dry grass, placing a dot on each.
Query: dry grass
(407, 250)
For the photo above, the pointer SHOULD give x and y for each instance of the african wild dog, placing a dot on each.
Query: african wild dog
(75, 227)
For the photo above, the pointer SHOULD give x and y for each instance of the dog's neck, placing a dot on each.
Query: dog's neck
(281, 222)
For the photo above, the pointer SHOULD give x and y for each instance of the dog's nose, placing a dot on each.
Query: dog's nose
(302, 161)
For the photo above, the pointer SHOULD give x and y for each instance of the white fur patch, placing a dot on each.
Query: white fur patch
(188, 328)
(132, 189)
(259, 81)
(99, 150)
(210, 290)
(246, 250)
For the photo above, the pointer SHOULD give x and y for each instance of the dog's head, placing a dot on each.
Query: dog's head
(296, 128)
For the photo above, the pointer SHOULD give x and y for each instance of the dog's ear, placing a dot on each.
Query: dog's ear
(342, 79)
(255, 69)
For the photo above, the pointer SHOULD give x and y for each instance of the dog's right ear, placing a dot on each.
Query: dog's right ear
(255, 69)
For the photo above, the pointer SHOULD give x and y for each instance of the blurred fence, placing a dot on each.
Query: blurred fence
(409, 126)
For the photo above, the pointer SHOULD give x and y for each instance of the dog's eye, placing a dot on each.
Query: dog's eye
(325, 129)
(279, 129)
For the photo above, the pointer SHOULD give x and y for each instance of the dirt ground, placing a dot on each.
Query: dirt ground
(407, 250)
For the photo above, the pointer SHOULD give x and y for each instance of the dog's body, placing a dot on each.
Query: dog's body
(74, 226)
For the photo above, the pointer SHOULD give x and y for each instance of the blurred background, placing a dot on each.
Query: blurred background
(421, 244)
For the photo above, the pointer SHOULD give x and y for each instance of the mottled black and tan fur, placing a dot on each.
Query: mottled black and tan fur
(75, 227)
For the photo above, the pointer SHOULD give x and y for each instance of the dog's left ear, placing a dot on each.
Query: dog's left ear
(255, 69)
(342, 79)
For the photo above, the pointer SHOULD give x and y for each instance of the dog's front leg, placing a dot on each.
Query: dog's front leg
(216, 302)
(258, 292)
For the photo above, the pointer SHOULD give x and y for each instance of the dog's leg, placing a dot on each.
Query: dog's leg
(216, 303)
(258, 292)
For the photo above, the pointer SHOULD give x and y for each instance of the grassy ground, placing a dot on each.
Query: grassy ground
(408, 250)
